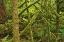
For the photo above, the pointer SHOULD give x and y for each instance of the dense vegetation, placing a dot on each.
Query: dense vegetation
(31, 20)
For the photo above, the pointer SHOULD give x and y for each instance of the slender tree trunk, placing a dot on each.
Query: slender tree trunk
(15, 21)
(57, 19)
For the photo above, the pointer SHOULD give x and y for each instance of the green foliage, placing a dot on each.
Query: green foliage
(43, 19)
(52, 28)
(11, 40)
(62, 31)
(5, 39)
(9, 21)
(2, 27)
(8, 7)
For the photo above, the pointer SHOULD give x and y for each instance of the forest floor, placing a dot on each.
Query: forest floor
(23, 40)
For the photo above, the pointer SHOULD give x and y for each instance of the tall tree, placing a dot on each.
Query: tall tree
(15, 21)
(57, 18)
(2, 12)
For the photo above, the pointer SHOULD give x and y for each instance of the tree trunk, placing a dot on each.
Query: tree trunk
(57, 19)
(15, 21)
(3, 16)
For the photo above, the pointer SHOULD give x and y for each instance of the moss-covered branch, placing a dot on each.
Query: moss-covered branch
(21, 5)
(31, 22)
(28, 7)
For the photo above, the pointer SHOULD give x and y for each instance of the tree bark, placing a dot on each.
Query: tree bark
(15, 18)
(3, 17)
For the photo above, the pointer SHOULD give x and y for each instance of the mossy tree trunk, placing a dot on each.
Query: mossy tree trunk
(15, 21)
